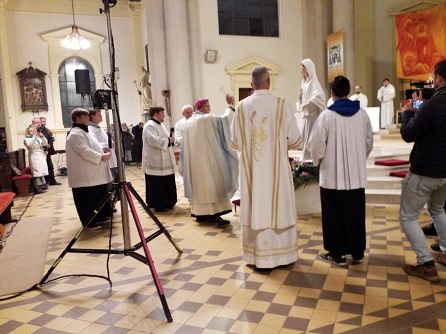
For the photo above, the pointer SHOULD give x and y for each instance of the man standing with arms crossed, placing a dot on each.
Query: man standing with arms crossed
(263, 130)
(50, 179)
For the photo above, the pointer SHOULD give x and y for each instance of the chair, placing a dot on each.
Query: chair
(22, 182)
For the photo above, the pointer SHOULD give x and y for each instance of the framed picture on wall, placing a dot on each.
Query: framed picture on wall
(33, 89)
(335, 55)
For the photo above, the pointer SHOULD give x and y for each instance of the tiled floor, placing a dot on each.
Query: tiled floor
(208, 287)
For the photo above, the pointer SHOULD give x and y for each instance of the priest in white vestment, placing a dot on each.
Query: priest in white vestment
(187, 112)
(385, 95)
(263, 130)
(358, 96)
(312, 99)
(208, 166)
(340, 144)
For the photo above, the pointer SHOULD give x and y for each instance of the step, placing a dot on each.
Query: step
(383, 182)
(383, 196)
(392, 136)
(375, 170)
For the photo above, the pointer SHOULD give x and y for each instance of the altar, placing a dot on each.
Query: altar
(373, 113)
(308, 199)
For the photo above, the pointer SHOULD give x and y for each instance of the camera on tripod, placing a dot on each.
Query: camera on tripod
(101, 98)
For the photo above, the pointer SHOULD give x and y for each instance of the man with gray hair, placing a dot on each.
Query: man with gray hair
(263, 130)
(186, 111)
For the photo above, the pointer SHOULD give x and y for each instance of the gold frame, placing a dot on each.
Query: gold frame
(33, 89)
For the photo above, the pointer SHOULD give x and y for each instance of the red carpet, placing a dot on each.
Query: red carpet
(401, 174)
(391, 162)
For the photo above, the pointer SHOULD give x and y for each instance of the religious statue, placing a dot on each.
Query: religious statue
(146, 90)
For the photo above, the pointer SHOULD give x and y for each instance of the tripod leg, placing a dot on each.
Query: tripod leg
(150, 263)
(154, 218)
(75, 238)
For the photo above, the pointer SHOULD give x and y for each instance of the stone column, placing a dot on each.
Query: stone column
(136, 10)
(344, 20)
(177, 56)
(316, 25)
(6, 84)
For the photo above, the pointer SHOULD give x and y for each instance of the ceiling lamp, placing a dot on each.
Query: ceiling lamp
(75, 41)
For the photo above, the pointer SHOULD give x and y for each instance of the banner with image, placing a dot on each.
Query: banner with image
(420, 42)
(335, 55)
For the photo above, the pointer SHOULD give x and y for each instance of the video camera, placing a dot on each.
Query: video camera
(423, 87)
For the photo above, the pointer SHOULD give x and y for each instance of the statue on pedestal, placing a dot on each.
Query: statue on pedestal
(146, 89)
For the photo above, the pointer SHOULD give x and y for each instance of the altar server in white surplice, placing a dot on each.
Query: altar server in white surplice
(208, 165)
(263, 130)
(340, 144)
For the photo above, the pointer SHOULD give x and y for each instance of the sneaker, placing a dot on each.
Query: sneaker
(441, 258)
(425, 271)
(429, 230)
(329, 258)
(55, 183)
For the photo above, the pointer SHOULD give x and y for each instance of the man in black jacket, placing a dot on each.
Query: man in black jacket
(50, 178)
(137, 144)
(426, 180)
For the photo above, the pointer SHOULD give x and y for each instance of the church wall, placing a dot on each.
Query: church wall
(25, 44)
(283, 52)
(384, 48)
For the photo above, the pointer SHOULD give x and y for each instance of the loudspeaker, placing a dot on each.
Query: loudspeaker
(82, 78)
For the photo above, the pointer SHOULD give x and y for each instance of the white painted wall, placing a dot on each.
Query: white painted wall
(283, 51)
(25, 44)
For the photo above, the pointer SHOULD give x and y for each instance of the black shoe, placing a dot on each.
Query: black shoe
(430, 230)
(330, 258)
(436, 247)
(39, 190)
(161, 210)
(54, 183)
(219, 221)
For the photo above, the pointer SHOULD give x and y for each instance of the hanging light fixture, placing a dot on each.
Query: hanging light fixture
(75, 41)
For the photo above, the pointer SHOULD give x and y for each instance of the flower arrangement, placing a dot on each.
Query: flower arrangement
(304, 173)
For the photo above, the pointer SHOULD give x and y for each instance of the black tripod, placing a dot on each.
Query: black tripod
(124, 190)
(127, 190)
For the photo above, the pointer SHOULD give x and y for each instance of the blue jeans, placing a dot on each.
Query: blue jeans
(416, 191)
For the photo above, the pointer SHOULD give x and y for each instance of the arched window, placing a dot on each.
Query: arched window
(67, 85)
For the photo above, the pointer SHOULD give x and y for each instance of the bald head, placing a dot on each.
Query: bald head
(187, 111)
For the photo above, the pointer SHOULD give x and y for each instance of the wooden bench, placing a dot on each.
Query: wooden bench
(6, 203)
